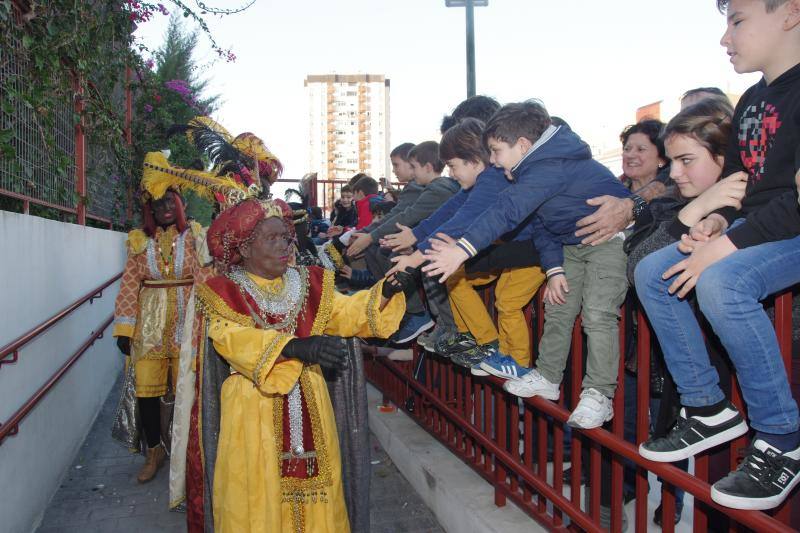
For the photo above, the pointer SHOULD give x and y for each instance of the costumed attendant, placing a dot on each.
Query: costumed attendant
(277, 464)
(164, 261)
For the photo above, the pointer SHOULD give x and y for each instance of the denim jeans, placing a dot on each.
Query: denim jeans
(728, 294)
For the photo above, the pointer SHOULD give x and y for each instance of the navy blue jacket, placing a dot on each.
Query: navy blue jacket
(461, 210)
(551, 184)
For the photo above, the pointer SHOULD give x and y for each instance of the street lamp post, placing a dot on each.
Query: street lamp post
(469, 6)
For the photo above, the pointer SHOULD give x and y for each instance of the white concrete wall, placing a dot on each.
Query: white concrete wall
(44, 267)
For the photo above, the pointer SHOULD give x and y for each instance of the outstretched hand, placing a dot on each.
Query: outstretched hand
(405, 262)
(445, 257)
(398, 282)
(401, 240)
(358, 243)
(322, 350)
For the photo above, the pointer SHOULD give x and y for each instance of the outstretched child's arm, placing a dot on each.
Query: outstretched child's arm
(445, 257)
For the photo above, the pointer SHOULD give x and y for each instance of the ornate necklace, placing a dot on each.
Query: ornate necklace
(165, 241)
(283, 303)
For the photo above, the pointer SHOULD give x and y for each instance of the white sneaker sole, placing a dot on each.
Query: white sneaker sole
(705, 444)
(475, 371)
(753, 504)
(540, 394)
(574, 423)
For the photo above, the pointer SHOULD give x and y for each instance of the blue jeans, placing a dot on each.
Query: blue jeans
(728, 294)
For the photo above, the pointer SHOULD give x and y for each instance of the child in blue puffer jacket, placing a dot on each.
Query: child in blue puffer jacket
(553, 174)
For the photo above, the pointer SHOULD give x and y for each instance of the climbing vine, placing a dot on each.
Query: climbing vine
(63, 50)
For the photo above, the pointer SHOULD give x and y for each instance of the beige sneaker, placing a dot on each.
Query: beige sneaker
(155, 459)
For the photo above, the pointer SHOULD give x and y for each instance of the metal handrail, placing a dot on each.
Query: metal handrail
(12, 349)
(457, 410)
(699, 489)
(11, 427)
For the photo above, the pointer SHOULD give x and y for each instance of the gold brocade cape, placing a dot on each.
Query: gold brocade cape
(257, 483)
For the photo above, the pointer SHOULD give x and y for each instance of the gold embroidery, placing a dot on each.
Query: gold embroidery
(325, 303)
(268, 353)
(155, 324)
(210, 300)
(335, 256)
(372, 311)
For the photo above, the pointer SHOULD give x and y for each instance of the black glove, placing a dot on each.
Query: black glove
(339, 245)
(124, 345)
(399, 282)
(319, 350)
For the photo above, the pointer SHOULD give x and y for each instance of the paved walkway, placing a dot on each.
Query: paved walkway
(100, 493)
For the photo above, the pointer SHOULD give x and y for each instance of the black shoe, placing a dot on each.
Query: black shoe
(470, 358)
(659, 511)
(763, 480)
(691, 436)
(454, 343)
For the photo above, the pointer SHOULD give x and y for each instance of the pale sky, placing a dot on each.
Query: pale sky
(591, 62)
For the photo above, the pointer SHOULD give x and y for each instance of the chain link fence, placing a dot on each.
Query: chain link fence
(42, 168)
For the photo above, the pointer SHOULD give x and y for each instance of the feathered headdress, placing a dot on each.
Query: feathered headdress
(158, 176)
(245, 156)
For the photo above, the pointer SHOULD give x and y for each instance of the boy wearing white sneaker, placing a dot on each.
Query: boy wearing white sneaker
(553, 175)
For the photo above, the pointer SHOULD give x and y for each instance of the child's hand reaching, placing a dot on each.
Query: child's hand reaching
(346, 272)
(445, 257)
(556, 291)
(400, 240)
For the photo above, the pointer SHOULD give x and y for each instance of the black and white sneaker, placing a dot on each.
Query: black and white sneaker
(690, 436)
(763, 480)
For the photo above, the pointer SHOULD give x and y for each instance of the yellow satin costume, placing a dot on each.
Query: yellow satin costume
(250, 492)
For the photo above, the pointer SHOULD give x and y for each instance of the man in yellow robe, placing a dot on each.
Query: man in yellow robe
(277, 465)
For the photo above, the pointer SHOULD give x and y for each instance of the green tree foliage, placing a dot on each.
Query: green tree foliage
(62, 51)
(174, 93)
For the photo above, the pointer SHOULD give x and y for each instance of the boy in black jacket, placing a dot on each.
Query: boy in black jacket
(344, 209)
(743, 257)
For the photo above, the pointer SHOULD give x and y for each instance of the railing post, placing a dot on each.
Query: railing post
(80, 151)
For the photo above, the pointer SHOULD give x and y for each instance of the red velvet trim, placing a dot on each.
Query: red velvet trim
(233, 297)
(195, 513)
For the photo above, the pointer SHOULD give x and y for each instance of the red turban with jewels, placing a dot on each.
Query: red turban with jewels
(233, 227)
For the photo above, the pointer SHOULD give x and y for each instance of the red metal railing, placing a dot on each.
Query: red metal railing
(12, 349)
(11, 426)
(505, 439)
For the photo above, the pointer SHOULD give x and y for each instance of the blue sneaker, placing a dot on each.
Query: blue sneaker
(412, 326)
(502, 366)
